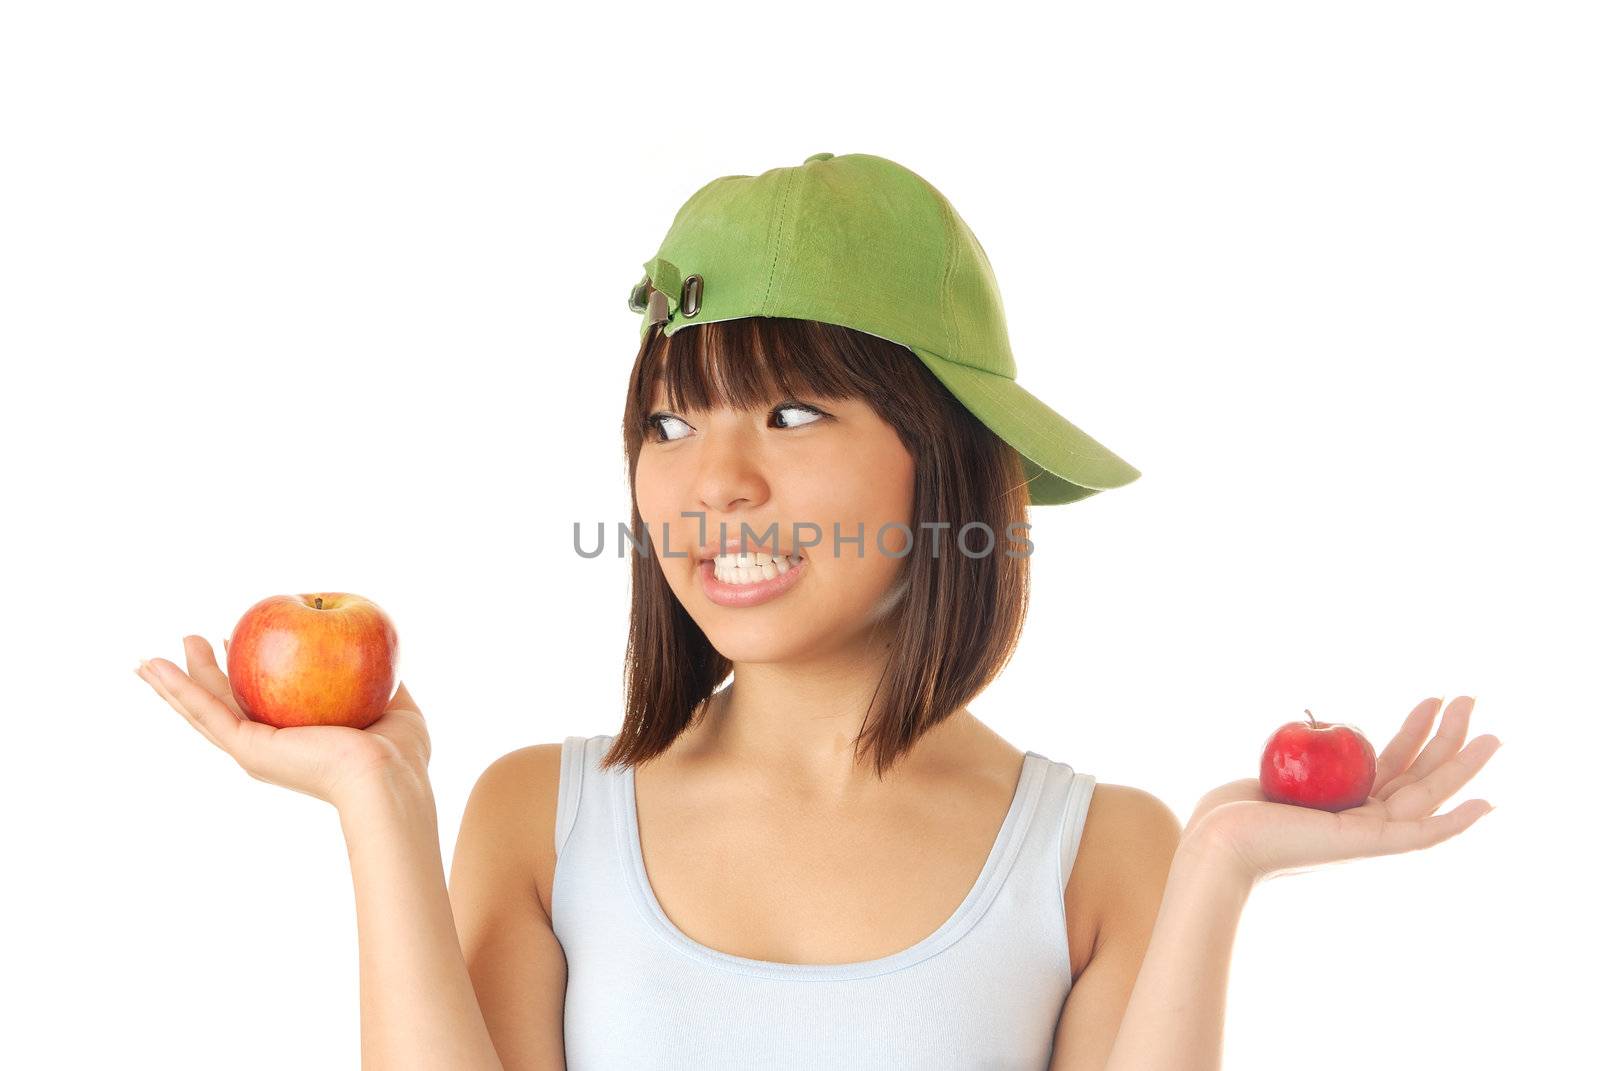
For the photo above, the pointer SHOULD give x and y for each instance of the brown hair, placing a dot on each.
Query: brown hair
(960, 616)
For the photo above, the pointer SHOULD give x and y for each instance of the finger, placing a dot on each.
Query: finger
(1406, 743)
(1426, 832)
(203, 669)
(1424, 796)
(1445, 743)
(207, 712)
(148, 674)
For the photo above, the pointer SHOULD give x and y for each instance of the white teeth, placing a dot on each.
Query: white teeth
(750, 568)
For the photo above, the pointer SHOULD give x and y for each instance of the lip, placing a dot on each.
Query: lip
(743, 595)
(733, 546)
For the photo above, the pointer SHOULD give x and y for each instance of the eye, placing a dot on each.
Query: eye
(655, 426)
(801, 407)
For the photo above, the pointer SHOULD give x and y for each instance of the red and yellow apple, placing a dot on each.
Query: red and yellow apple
(327, 658)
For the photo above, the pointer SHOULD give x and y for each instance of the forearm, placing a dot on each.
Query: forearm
(1175, 1012)
(418, 1008)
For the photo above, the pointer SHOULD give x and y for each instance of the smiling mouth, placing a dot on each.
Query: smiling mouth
(753, 568)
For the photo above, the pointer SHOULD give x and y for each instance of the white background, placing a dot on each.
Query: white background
(330, 296)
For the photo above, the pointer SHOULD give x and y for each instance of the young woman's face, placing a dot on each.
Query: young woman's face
(793, 462)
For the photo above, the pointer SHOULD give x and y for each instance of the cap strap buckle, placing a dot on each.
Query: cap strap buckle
(656, 311)
(667, 282)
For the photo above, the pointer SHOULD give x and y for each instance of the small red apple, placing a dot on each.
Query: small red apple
(1322, 765)
(327, 658)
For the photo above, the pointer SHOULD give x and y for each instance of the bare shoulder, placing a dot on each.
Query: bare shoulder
(1131, 818)
(1129, 839)
(513, 804)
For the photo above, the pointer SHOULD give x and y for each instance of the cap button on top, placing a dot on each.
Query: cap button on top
(819, 156)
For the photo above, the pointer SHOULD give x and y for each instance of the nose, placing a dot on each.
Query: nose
(730, 476)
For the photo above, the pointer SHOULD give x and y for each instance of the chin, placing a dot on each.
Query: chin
(743, 639)
(754, 644)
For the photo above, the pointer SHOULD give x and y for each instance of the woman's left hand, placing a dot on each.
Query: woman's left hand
(1269, 838)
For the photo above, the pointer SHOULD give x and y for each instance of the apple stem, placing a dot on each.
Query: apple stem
(319, 606)
(1308, 711)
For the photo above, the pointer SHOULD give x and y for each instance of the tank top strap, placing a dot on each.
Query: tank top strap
(580, 777)
(1035, 909)
(1073, 791)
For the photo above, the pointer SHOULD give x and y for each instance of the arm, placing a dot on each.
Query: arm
(418, 1008)
(1153, 992)
(1175, 1013)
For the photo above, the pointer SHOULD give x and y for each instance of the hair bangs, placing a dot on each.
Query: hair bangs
(749, 363)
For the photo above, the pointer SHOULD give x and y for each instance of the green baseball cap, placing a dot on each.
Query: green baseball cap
(862, 242)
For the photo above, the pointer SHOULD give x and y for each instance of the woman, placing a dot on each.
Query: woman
(828, 861)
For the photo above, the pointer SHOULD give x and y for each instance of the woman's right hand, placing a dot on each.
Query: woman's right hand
(329, 762)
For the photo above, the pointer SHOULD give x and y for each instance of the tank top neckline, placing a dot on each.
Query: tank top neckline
(1002, 855)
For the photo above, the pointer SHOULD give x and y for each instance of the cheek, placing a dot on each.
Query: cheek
(892, 502)
(652, 492)
(870, 496)
(882, 488)
(665, 529)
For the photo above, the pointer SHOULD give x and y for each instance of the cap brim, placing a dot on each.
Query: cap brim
(1061, 461)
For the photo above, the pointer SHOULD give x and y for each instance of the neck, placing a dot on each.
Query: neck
(795, 722)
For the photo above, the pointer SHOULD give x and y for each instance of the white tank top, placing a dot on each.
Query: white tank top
(984, 990)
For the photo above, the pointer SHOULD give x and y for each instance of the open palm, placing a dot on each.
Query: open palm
(325, 761)
(1270, 838)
